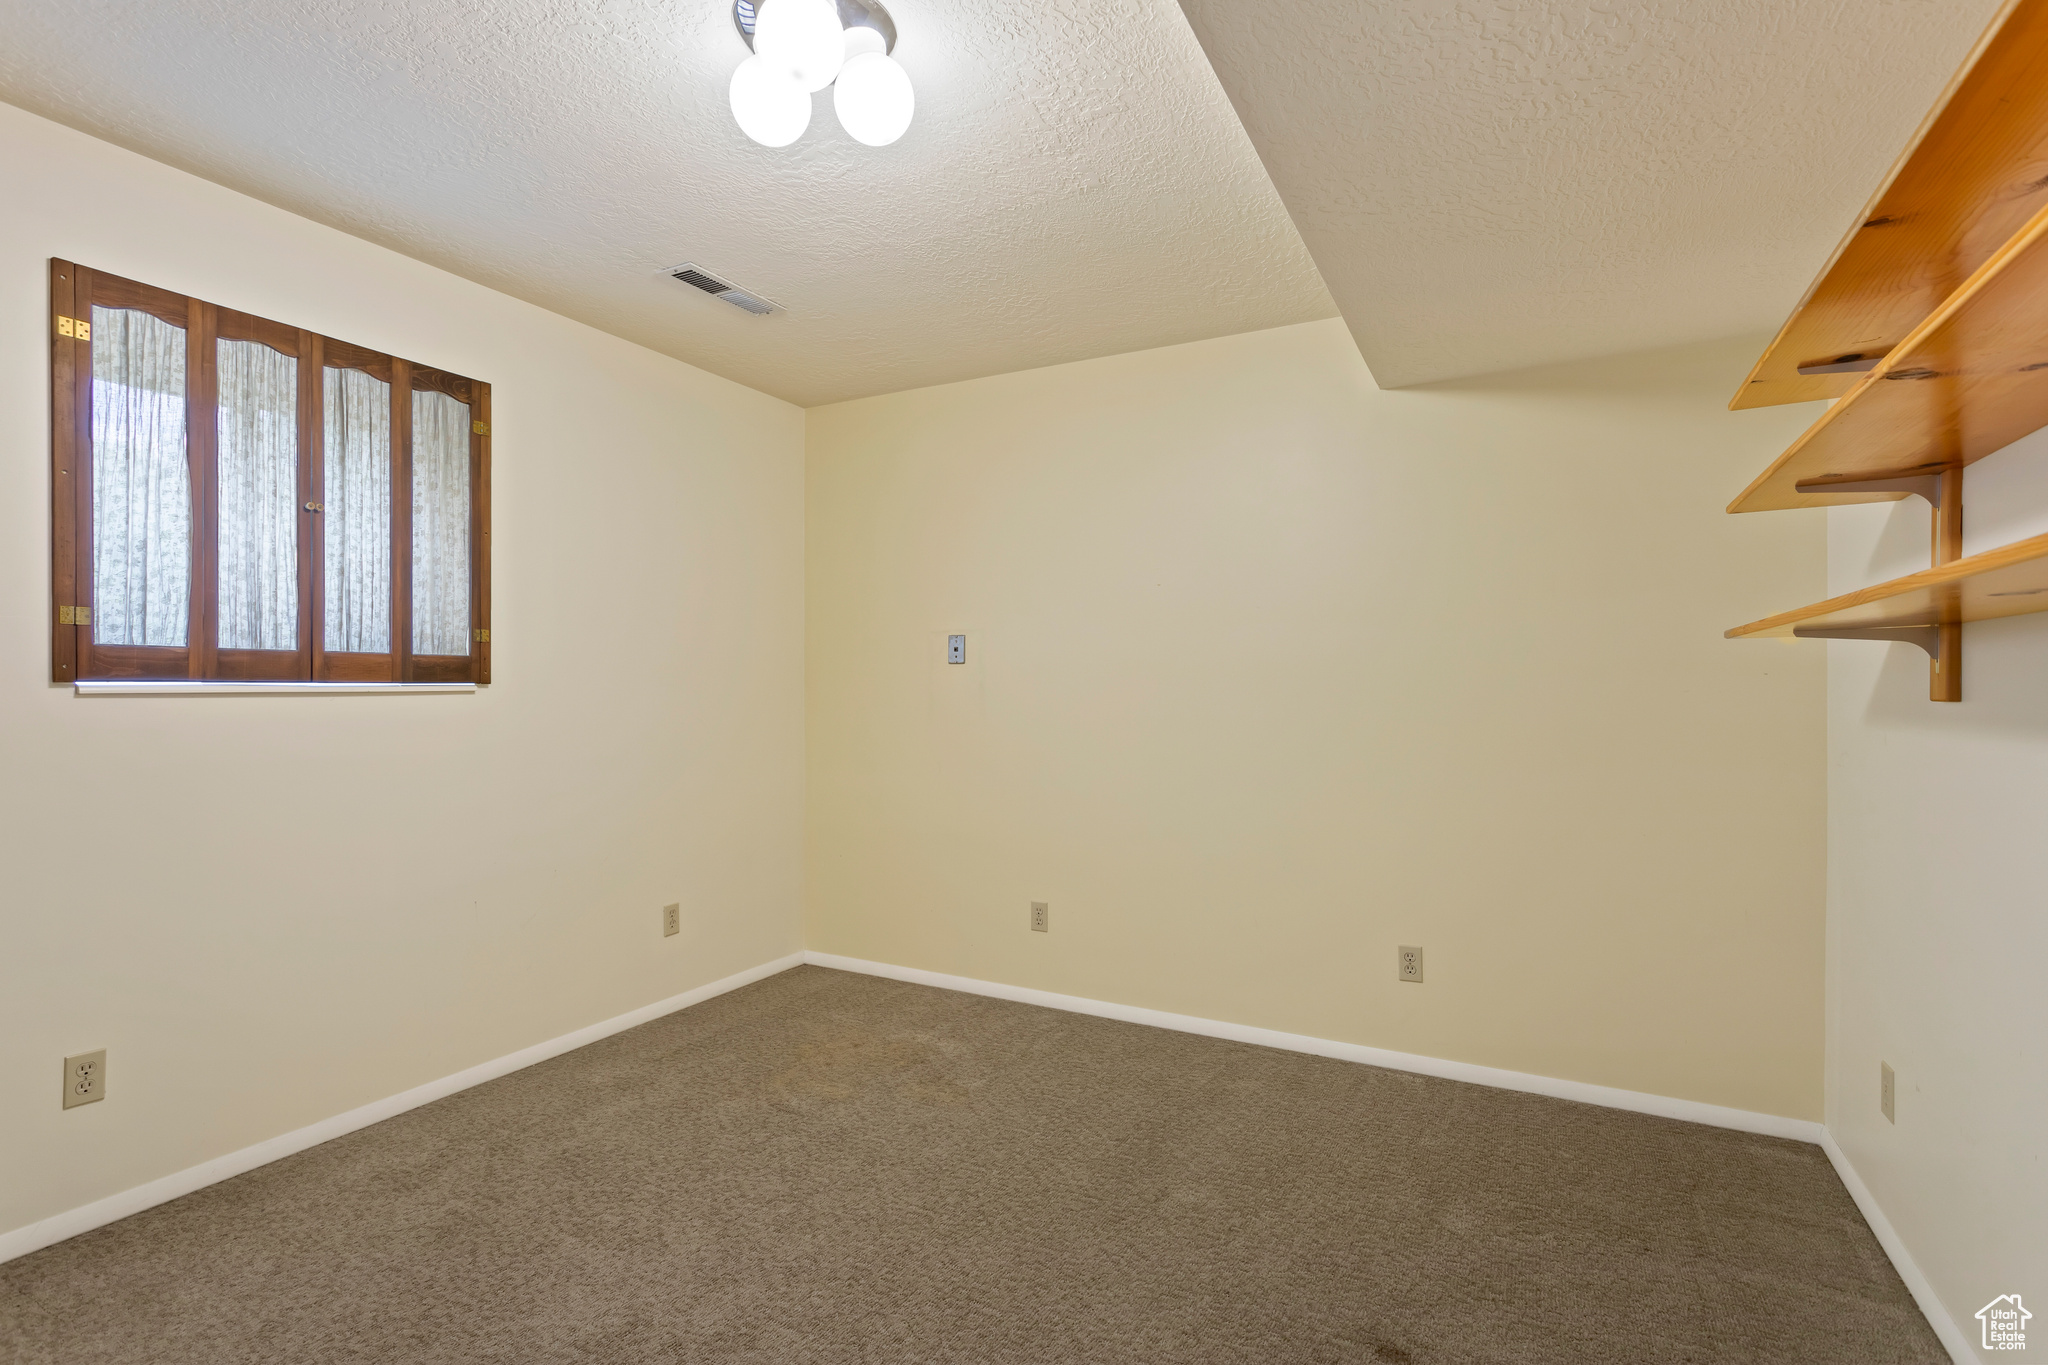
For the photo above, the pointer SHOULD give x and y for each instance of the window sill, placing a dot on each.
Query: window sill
(120, 687)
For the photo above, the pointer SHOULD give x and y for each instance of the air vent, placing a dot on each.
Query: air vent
(711, 284)
(691, 275)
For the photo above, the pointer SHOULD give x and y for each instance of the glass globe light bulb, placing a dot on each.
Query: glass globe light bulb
(770, 107)
(802, 37)
(873, 99)
(860, 38)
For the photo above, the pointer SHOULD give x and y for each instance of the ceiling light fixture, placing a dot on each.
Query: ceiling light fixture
(802, 46)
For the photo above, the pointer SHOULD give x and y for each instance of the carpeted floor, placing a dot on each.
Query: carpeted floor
(826, 1167)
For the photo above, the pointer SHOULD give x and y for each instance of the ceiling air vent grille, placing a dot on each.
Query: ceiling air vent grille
(711, 284)
(692, 275)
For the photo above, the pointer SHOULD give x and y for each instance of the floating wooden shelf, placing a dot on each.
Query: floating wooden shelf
(1930, 327)
(1970, 379)
(2011, 580)
(1973, 174)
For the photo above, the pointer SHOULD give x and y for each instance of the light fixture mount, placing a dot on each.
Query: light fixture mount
(852, 14)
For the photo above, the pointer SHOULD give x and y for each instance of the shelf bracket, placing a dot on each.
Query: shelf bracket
(1942, 486)
(1927, 637)
(1927, 486)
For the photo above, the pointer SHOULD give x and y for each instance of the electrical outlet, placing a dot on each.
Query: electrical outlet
(1887, 1092)
(85, 1078)
(1411, 964)
(956, 649)
(671, 920)
(1040, 915)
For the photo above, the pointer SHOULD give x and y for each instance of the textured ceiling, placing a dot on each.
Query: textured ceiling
(1488, 184)
(1075, 183)
(1485, 184)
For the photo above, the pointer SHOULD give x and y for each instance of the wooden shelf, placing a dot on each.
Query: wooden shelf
(2011, 580)
(1929, 328)
(1969, 380)
(1974, 173)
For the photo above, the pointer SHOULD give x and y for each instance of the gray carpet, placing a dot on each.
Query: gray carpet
(827, 1167)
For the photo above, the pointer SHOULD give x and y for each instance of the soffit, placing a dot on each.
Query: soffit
(1075, 183)
(1490, 184)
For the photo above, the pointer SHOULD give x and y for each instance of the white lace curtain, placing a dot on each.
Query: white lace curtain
(258, 463)
(142, 499)
(358, 515)
(141, 485)
(440, 524)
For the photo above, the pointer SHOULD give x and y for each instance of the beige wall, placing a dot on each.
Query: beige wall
(273, 910)
(1270, 672)
(1936, 936)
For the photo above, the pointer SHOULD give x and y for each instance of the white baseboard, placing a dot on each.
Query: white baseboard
(1718, 1116)
(1931, 1307)
(100, 1212)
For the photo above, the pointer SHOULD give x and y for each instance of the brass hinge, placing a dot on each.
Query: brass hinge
(74, 616)
(74, 327)
(480, 428)
(483, 637)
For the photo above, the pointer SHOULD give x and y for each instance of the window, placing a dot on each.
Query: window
(238, 499)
